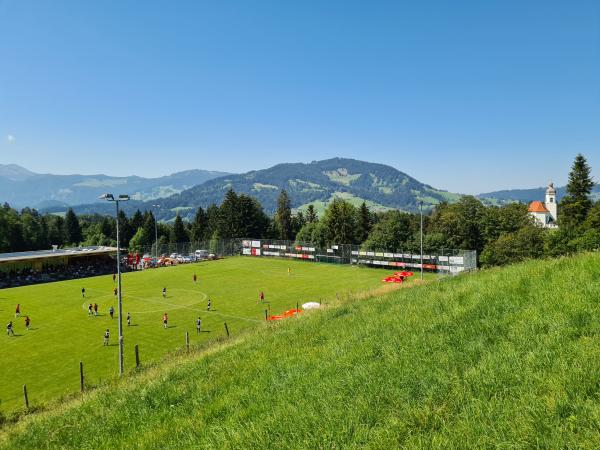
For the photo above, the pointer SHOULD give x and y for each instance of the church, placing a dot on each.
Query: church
(546, 213)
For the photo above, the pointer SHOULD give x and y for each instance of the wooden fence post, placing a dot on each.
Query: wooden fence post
(266, 315)
(25, 396)
(187, 341)
(81, 384)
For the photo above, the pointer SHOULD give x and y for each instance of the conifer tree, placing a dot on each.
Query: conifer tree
(365, 222)
(199, 226)
(148, 236)
(213, 221)
(72, 228)
(283, 216)
(178, 233)
(137, 220)
(125, 230)
(575, 206)
(229, 216)
(311, 214)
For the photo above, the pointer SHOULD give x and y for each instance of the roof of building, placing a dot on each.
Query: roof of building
(43, 254)
(537, 207)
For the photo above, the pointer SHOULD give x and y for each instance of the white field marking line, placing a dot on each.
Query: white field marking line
(190, 307)
(174, 306)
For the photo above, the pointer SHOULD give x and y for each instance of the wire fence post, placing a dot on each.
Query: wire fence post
(137, 356)
(187, 341)
(81, 383)
(25, 396)
(226, 329)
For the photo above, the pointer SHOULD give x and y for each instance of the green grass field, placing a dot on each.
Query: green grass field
(46, 358)
(505, 358)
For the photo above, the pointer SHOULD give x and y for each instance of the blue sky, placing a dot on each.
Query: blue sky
(468, 96)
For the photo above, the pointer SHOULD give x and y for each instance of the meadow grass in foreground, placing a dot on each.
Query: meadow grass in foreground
(506, 358)
(46, 358)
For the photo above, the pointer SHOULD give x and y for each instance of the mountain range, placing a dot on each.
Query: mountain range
(21, 187)
(529, 195)
(382, 187)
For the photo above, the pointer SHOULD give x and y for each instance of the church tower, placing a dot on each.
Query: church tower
(551, 202)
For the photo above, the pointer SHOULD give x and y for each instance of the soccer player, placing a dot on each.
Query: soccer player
(289, 271)
(106, 336)
(195, 278)
(95, 309)
(111, 311)
(9, 329)
(90, 309)
(208, 305)
(164, 292)
(114, 277)
(198, 325)
(82, 292)
(18, 310)
(128, 319)
(27, 322)
(262, 296)
(115, 291)
(165, 321)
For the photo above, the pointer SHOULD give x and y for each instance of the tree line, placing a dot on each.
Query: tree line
(499, 234)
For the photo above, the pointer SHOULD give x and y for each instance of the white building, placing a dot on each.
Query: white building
(546, 213)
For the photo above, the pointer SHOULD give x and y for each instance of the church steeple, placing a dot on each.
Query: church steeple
(551, 201)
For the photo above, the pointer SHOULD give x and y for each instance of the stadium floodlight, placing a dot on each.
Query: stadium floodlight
(120, 198)
(421, 210)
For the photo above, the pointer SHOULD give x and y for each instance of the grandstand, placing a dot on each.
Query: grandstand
(22, 268)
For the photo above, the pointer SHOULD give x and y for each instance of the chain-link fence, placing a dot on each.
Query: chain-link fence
(216, 247)
(444, 261)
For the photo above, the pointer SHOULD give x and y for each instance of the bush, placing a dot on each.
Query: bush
(527, 243)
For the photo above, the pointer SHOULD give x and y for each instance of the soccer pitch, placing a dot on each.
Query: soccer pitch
(46, 357)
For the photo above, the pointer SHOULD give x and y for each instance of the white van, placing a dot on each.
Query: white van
(201, 254)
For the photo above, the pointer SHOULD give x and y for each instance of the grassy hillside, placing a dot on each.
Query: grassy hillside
(504, 358)
(320, 206)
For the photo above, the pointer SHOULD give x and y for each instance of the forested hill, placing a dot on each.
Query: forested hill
(528, 195)
(381, 186)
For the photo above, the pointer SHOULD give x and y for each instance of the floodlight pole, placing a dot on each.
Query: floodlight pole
(111, 198)
(121, 365)
(421, 209)
(156, 234)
